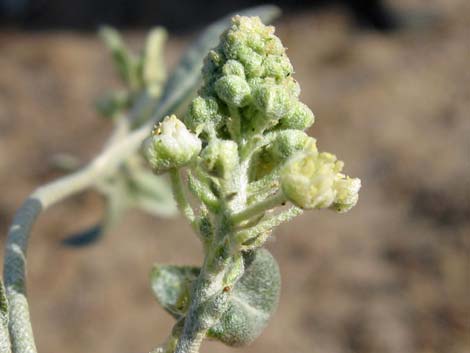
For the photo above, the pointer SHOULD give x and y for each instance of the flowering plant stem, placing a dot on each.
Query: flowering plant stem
(16, 333)
(240, 149)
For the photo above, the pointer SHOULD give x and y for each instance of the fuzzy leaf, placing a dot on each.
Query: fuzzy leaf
(172, 285)
(117, 201)
(151, 193)
(5, 346)
(3, 306)
(124, 61)
(253, 300)
(141, 189)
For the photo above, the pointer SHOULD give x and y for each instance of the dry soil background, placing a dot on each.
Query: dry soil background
(392, 276)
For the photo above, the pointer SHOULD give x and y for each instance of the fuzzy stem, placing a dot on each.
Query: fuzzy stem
(262, 230)
(190, 343)
(260, 207)
(235, 125)
(104, 164)
(180, 197)
(200, 318)
(20, 230)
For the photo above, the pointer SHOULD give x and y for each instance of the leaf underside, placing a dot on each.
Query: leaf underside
(253, 300)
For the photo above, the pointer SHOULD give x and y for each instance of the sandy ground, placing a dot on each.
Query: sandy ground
(392, 276)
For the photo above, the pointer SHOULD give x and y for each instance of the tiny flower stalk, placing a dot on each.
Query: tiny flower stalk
(236, 159)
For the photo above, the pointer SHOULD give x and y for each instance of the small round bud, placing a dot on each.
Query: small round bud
(284, 145)
(220, 157)
(171, 145)
(202, 111)
(308, 179)
(277, 66)
(274, 46)
(233, 67)
(256, 42)
(212, 62)
(292, 86)
(347, 194)
(251, 60)
(300, 117)
(233, 90)
(273, 100)
(287, 143)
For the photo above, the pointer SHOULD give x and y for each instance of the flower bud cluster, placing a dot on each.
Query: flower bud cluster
(248, 73)
(249, 94)
(244, 152)
(314, 180)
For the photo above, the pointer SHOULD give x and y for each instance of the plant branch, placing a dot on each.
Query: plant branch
(262, 230)
(117, 151)
(20, 230)
(260, 207)
(180, 197)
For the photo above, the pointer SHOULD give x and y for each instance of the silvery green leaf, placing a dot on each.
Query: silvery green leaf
(140, 189)
(117, 202)
(124, 61)
(171, 286)
(152, 193)
(153, 71)
(3, 306)
(253, 299)
(113, 103)
(5, 346)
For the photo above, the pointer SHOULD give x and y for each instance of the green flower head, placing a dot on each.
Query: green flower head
(171, 145)
(314, 180)
(250, 76)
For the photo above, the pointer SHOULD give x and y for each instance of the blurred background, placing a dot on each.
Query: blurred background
(389, 83)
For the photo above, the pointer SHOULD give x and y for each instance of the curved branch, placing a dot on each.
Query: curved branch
(19, 232)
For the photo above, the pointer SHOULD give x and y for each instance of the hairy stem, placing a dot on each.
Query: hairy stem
(20, 230)
(116, 151)
(206, 306)
(180, 196)
(258, 208)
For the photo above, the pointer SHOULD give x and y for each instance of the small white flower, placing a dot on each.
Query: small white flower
(313, 180)
(347, 190)
(171, 145)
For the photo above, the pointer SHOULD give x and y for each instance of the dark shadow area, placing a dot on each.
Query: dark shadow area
(177, 15)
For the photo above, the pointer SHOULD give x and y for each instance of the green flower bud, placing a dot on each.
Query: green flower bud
(202, 111)
(292, 86)
(308, 179)
(347, 193)
(277, 66)
(248, 40)
(300, 117)
(220, 157)
(212, 62)
(284, 145)
(273, 100)
(233, 90)
(289, 142)
(171, 145)
(256, 42)
(251, 60)
(233, 67)
(273, 46)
